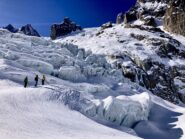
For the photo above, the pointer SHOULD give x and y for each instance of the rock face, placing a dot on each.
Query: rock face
(58, 30)
(156, 76)
(161, 79)
(142, 10)
(130, 16)
(174, 20)
(29, 30)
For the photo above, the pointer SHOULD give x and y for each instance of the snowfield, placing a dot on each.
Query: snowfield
(34, 113)
(85, 96)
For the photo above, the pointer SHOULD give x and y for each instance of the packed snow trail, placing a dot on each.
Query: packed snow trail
(30, 113)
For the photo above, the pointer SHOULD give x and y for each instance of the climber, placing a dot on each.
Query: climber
(25, 81)
(43, 79)
(36, 80)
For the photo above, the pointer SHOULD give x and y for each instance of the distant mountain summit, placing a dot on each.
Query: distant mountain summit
(27, 30)
(11, 28)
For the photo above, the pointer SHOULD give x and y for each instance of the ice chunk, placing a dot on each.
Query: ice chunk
(37, 65)
(71, 73)
(81, 54)
(123, 110)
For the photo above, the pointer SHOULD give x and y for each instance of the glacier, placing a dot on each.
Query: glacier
(85, 96)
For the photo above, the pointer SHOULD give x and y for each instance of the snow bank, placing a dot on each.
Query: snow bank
(121, 110)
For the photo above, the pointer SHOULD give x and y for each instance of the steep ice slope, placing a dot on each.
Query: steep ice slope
(79, 84)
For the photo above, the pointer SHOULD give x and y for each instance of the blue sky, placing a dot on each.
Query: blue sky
(42, 13)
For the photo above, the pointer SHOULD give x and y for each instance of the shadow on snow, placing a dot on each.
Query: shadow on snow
(160, 125)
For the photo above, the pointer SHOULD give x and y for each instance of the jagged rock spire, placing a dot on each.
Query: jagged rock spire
(58, 30)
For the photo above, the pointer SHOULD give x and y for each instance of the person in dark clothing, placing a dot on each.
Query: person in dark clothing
(25, 82)
(36, 80)
(43, 79)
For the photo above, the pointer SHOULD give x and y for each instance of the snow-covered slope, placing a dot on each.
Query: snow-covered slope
(119, 40)
(84, 97)
(115, 41)
(146, 55)
(35, 113)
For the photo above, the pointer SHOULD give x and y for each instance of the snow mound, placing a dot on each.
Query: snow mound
(122, 110)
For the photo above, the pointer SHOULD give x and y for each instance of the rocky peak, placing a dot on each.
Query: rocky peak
(58, 30)
(11, 28)
(170, 12)
(29, 30)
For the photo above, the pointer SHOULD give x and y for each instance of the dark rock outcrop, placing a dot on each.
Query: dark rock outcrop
(130, 16)
(149, 21)
(11, 28)
(107, 25)
(127, 17)
(29, 30)
(58, 30)
(153, 75)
